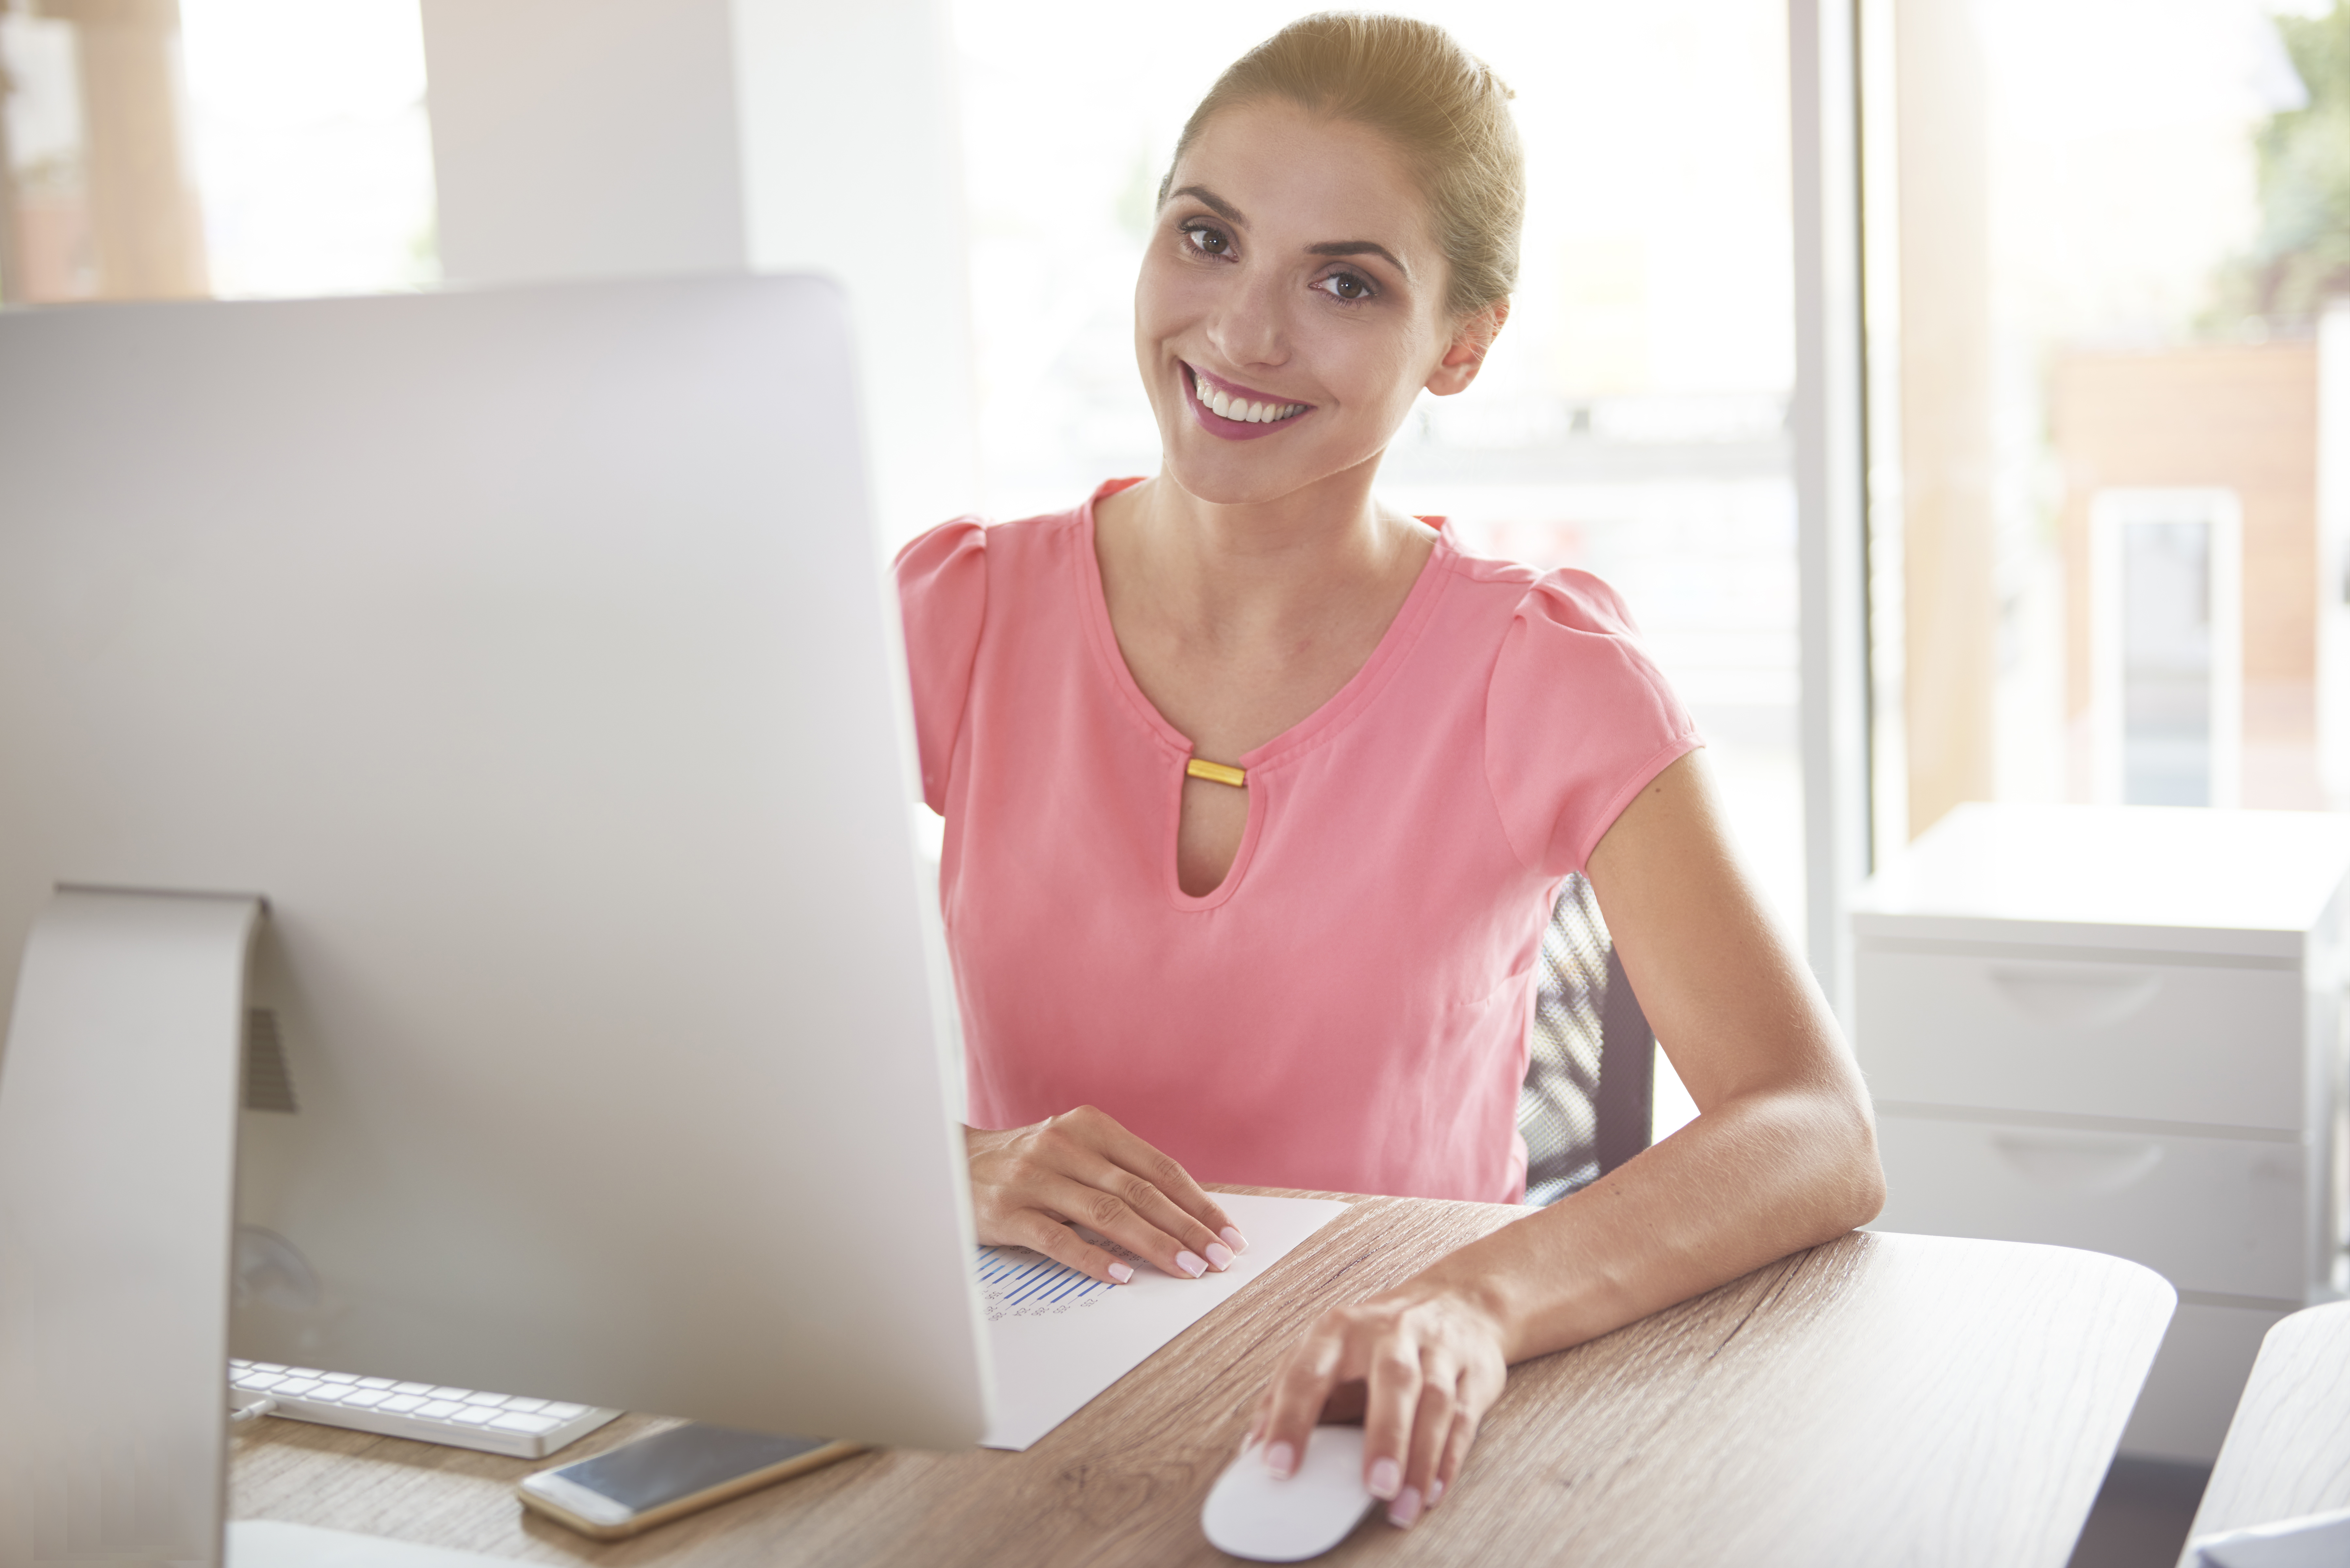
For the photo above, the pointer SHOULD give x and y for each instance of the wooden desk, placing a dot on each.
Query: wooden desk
(1922, 1400)
(2288, 1450)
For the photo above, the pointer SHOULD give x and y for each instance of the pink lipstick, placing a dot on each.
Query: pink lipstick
(1258, 413)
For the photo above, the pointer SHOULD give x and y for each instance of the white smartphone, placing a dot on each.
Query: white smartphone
(655, 1480)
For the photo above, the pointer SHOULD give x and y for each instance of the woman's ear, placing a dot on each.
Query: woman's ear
(1465, 356)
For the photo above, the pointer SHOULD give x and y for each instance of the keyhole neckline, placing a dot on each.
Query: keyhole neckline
(1264, 763)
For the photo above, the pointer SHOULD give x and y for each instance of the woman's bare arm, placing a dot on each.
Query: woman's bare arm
(1783, 1155)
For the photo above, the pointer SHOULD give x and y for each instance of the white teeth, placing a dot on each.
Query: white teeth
(1241, 410)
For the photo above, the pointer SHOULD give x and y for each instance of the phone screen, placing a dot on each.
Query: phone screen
(660, 1469)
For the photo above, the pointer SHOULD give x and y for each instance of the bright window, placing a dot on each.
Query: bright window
(1632, 419)
(246, 148)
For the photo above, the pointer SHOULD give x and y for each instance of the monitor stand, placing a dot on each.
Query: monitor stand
(118, 1096)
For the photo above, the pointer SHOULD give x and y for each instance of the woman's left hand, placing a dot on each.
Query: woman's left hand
(1421, 1364)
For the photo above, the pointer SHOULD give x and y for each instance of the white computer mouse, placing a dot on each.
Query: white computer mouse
(1251, 1513)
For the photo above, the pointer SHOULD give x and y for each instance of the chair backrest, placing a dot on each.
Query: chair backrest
(1590, 1058)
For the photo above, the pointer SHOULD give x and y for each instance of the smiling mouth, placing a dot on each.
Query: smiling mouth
(1243, 411)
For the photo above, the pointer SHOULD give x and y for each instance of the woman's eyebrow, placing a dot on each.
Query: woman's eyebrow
(1359, 248)
(1232, 215)
(1213, 203)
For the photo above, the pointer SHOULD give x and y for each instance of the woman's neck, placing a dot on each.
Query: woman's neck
(1237, 574)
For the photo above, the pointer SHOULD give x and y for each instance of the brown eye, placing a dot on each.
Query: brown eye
(1345, 286)
(1207, 241)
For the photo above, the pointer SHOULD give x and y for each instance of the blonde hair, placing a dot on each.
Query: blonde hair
(1439, 106)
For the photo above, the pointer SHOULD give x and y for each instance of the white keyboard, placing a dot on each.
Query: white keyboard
(462, 1417)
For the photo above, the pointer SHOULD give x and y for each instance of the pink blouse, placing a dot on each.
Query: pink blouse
(1348, 1009)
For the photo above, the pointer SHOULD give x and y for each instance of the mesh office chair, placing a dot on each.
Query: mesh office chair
(1590, 1058)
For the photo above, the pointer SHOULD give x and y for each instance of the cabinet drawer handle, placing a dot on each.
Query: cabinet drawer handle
(2073, 998)
(2077, 1165)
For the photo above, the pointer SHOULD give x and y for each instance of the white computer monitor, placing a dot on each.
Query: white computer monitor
(530, 654)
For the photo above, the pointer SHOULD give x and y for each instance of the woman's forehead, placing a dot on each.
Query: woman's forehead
(1289, 174)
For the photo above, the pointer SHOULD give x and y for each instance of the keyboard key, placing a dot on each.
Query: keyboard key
(495, 1399)
(351, 1377)
(563, 1412)
(365, 1398)
(296, 1388)
(400, 1404)
(451, 1393)
(375, 1383)
(411, 1388)
(514, 1422)
(474, 1415)
(256, 1382)
(267, 1367)
(439, 1409)
(526, 1407)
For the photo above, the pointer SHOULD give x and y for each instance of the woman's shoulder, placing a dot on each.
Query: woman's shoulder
(971, 537)
(1565, 597)
(971, 546)
(1578, 716)
(938, 553)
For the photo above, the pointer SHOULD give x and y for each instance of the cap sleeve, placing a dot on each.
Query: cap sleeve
(943, 595)
(1578, 719)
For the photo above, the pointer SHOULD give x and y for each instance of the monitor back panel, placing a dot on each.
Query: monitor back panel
(531, 653)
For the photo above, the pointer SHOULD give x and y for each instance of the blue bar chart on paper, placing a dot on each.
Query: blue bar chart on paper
(1016, 1283)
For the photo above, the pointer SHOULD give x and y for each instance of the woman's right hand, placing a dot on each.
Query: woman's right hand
(1030, 1185)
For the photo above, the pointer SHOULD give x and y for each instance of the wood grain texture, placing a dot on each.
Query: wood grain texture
(1882, 1400)
(2287, 1449)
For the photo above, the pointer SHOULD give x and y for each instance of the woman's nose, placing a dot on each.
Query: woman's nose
(1249, 327)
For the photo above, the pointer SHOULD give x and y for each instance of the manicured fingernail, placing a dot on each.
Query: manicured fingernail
(1220, 1255)
(1121, 1273)
(1190, 1263)
(1435, 1491)
(1405, 1508)
(1281, 1459)
(1386, 1477)
(1233, 1239)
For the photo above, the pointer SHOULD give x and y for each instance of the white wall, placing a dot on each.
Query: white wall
(583, 138)
(851, 165)
(601, 138)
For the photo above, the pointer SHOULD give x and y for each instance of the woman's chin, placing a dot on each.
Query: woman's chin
(1244, 473)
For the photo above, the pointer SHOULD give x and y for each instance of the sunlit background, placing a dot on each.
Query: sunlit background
(314, 153)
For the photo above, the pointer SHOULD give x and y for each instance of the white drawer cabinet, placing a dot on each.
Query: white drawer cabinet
(2121, 1029)
(2025, 1029)
(2212, 1215)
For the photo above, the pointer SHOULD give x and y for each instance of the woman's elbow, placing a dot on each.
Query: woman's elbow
(1858, 1184)
(1829, 1133)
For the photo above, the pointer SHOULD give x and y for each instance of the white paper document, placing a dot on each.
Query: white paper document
(1058, 1338)
(2313, 1540)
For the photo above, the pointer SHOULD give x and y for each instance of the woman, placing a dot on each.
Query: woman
(1258, 794)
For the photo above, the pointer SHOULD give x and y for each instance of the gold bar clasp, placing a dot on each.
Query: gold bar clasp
(1216, 773)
